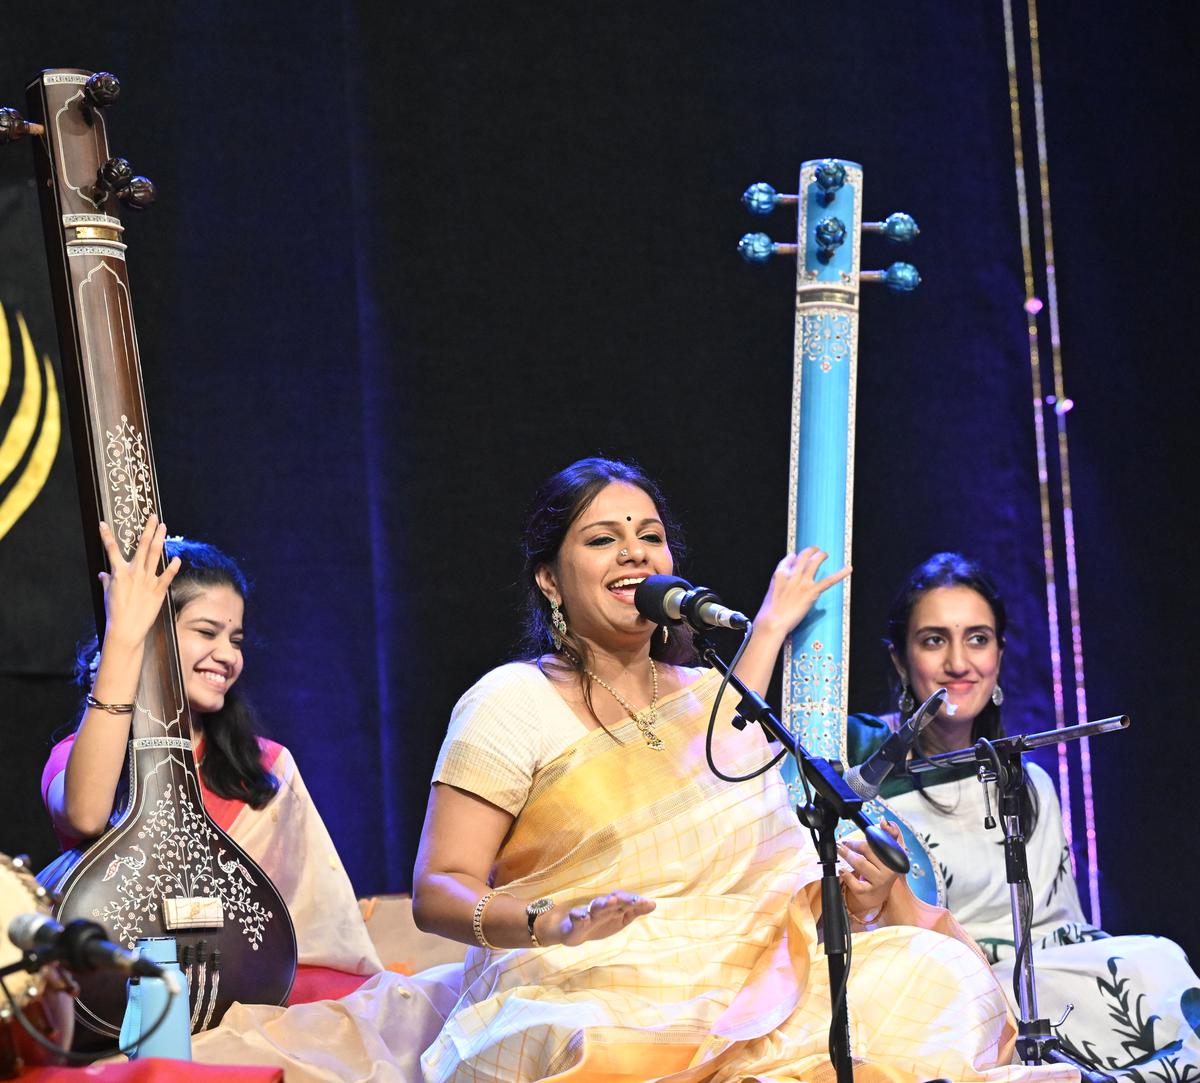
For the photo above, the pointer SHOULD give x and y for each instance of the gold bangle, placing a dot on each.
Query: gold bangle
(111, 708)
(477, 919)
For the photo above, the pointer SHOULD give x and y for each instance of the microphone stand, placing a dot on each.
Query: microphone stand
(30, 962)
(832, 801)
(1000, 761)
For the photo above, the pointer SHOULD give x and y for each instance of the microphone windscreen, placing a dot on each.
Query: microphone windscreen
(23, 930)
(853, 778)
(651, 593)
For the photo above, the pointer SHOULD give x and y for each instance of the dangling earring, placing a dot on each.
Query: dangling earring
(559, 623)
(997, 695)
(666, 635)
(907, 703)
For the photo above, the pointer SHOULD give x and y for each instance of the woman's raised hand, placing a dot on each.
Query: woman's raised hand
(134, 591)
(603, 916)
(793, 589)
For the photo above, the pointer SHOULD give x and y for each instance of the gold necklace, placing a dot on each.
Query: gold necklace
(644, 720)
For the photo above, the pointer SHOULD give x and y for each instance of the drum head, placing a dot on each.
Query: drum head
(20, 893)
(44, 1004)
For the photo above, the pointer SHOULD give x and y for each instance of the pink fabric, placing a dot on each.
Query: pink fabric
(156, 1070)
(55, 765)
(222, 810)
(321, 983)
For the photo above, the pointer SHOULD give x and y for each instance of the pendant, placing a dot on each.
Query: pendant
(643, 722)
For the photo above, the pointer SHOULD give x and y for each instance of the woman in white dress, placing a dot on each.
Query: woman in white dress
(1137, 1000)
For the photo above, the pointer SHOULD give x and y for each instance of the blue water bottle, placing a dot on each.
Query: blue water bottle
(148, 1000)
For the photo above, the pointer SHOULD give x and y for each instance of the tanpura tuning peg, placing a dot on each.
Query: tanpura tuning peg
(13, 126)
(758, 248)
(102, 89)
(116, 177)
(111, 177)
(761, 198)
(138, 194)
(830, 234)
(830, 175)
(899, 228)
(899, 277)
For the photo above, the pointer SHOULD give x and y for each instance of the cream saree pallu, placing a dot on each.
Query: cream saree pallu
(725, 979)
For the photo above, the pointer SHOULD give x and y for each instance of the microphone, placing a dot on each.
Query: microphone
(79, 945)
(866, 778)
(667, 599)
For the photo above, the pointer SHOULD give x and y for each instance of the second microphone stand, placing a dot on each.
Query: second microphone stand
(1001, 762)
(831, 800)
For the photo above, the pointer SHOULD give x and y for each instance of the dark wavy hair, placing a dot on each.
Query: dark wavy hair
(232, 767)
(559, 501)
(952, 570)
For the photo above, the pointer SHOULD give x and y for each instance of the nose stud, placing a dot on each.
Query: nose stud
(624, 553)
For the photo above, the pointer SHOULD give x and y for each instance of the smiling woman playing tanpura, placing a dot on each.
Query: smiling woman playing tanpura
(631, 916)
(251, 786)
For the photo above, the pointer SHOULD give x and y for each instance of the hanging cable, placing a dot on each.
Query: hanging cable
(1033, 307)
(1062, 406)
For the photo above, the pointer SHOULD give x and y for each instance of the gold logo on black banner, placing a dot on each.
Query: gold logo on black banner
(36, 424)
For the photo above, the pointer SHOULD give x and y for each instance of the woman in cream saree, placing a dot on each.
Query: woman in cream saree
(726, 979)
(637, 918)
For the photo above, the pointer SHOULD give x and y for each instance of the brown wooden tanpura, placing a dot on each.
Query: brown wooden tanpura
(163, 867)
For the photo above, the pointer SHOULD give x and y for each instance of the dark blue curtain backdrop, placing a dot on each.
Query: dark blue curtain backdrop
(409, 259)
